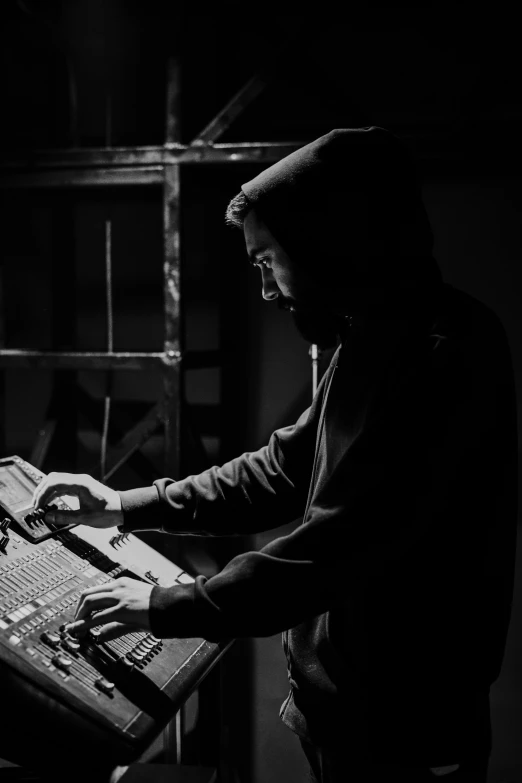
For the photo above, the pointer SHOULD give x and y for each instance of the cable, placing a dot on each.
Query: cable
(110, 346)
(314, 355)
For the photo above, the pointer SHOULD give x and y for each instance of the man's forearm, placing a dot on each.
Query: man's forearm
(244, 496)
(258, 491)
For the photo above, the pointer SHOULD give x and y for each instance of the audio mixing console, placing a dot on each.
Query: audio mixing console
(120, 693)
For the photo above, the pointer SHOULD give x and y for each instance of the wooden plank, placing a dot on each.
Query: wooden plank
(258, 152)
(172, 315)
(86, 157)
(3, 400)
(236, 105)
(134, 439)
(78, 360)
(92, 410)
(146, 162)
(144, 165)
(91, 360)
(83, 177)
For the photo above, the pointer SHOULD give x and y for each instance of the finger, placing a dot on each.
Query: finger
(107, 587)
(94, 604)
(54, 490)
(61, 518)
(47, 485)
(113, 614)
(40, 489)
(114, 631)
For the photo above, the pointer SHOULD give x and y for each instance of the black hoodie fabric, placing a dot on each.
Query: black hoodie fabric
(349, 201)
(394, 591)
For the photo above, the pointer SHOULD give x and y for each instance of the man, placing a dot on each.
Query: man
(394, 593)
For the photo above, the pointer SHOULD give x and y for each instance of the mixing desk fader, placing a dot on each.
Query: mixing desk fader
(120, 692)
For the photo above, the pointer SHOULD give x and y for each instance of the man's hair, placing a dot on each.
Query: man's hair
(237, 210)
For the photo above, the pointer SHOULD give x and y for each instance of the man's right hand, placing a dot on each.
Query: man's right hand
(99, 506)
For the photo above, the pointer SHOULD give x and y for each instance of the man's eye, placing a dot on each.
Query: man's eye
(262, 262)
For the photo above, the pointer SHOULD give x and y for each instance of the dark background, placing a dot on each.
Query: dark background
(93, 73)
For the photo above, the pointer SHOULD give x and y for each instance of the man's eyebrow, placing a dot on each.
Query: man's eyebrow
(256, 251)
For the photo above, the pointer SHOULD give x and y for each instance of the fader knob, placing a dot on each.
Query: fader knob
(135, 658)
(62, 662)
(136, 655)
(4, 524)
(50, 638)
(71, 645)
(104, 685)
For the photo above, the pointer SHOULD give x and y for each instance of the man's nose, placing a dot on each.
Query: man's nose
(268, 284)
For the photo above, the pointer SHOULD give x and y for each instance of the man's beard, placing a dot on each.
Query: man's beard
(315, 326)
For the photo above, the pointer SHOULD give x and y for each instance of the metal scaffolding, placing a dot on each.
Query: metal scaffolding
(158, 165)
(152, 165)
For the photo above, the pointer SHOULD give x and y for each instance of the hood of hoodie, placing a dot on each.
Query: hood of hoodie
(349, 204)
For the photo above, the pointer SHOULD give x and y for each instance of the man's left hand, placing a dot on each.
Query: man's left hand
(120, 607)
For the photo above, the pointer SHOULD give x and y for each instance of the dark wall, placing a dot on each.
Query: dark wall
(477, 223)
(87, 72)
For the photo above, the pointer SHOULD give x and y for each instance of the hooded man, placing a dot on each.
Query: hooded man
(394, 592)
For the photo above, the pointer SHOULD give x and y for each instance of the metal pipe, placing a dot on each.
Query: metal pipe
(314, 355)
(110, 345)
(86, 360)
(172, 305)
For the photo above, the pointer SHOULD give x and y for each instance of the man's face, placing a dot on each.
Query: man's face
(294, 288)
(281, 279)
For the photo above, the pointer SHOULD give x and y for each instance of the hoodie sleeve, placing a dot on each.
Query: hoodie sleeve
(257, 491)
(404, 474)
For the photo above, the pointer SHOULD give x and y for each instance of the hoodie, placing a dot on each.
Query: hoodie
(393, 592)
